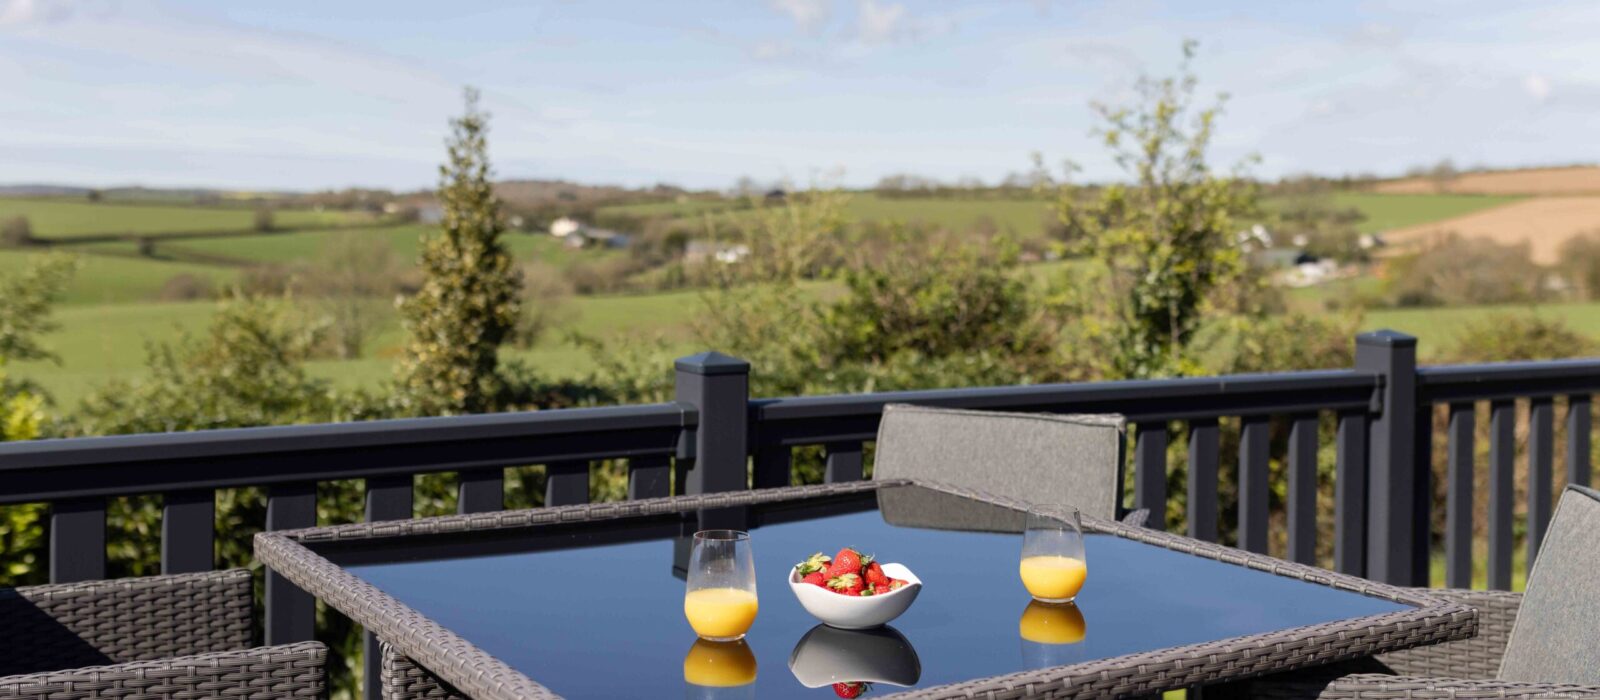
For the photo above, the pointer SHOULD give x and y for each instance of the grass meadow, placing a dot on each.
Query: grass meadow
(65, 218)
(111, 309)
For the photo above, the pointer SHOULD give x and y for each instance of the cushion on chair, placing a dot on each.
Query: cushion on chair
(1032, 457)
(1556, 638)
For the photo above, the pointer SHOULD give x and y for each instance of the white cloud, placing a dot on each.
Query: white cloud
(1537, 86)
(19, 12)
(808, 15)
(881, 23)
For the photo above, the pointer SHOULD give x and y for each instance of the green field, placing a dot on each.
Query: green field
(106, 279)
(1391, 211)
(1023, 218)
(65, 218)
(110, 311)
(306, 246)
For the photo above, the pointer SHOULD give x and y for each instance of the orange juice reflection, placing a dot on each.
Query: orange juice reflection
(720, 613)
(1052, 577)
(719, 664)
(1052, 623)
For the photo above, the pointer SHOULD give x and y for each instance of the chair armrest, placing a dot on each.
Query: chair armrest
(1475, 658)
(263, 673)
(1136, 518)
(1381, 687)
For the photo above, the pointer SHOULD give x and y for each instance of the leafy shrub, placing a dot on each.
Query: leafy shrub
(185, 287)
(1464, 271)
(1504, 337)
(16, 232)
(1580, 265)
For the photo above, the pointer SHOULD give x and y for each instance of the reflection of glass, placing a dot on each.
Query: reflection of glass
(1051, 633)
(1052, 623)
(828, 655)
(1053, 565)
(719, 664)
(720, 601)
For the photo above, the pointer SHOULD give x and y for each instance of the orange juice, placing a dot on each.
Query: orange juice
(719, 664)
(1053, 578)
(1052, 623)
(720, 613)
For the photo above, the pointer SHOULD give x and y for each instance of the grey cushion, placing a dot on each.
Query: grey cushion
(1556, 638)
(1031, 457)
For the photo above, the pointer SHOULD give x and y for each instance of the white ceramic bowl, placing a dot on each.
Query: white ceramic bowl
(858, 612)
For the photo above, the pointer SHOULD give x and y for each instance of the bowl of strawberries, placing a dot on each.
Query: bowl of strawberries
(853, 591)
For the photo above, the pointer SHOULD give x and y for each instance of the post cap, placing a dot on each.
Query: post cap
(711, 362)
(1387, 338)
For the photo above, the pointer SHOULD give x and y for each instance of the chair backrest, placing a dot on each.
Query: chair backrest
(1031, 457)
(1557, 633)
(63, 626)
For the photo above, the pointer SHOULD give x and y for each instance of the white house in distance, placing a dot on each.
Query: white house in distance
(564, 226)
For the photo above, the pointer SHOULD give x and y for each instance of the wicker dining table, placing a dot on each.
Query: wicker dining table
(586, 601)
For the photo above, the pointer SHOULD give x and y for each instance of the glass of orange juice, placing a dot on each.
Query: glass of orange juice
(1053, 565)
(721, 598)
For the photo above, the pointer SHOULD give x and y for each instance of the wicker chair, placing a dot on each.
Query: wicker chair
(1024, 456)
(1547, 653)
(181, 636)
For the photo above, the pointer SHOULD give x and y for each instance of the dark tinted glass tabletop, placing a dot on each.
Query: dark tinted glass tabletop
(596, 610)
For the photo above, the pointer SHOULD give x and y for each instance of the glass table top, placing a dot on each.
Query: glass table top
(596, 611)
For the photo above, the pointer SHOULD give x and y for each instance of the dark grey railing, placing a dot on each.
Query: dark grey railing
(715, 437)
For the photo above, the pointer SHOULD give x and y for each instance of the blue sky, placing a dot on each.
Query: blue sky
(290, 94)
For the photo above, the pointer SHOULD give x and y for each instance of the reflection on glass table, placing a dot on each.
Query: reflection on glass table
(1052, 634)
(719, 670)
(828, 655)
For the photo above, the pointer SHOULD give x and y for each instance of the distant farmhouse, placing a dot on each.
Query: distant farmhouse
(699, 252)
(576, 234)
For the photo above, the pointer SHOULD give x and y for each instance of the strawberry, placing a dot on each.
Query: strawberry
(815, 578)
(815, 562)
(850, 690)
(874, 574)
(880, 588)
(847, 584)
(847, 561)
(896, 584)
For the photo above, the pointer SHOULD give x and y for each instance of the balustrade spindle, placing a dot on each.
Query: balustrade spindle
(649, 477)
(1150, 472)
(1202, 496)
(1502, 454)
(1302, 505)
(1253, 444)
(1458, 496)
(566, 483)
(1350, 495)
(843, 462)
(188, 529)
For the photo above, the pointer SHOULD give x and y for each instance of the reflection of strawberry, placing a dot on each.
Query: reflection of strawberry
(848, 584)
(847, 561)
(850, 690)
(815, 578)
(874, 574)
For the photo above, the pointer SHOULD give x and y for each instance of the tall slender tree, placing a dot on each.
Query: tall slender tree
(470, 297)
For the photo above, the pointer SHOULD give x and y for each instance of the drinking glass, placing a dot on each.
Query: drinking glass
(720, 602)
(1053, 565)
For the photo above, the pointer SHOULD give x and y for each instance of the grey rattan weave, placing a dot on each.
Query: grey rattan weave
(264, 673)
(1462, 669)
(479, 675)
(60, 626)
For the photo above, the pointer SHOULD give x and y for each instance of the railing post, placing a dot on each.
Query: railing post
(718, 386)
(1392, 469)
